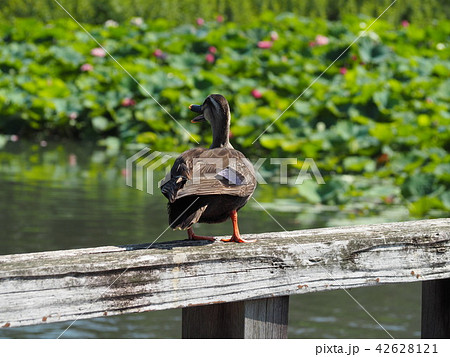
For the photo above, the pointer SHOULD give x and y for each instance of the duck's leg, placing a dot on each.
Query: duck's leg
(191, 235)
(236, 237)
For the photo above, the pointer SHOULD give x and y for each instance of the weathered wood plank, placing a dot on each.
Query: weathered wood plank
(260, 318)
(436, 309)
(84, 283)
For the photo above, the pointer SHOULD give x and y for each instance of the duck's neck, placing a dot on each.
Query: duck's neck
(221, 134)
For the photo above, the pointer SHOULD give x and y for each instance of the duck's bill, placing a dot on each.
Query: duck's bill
(198, 119)
(197, 109)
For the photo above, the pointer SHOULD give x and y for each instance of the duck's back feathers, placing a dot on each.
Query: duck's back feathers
(204, 185)
(200, 172)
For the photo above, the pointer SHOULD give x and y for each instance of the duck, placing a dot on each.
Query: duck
(209, 185)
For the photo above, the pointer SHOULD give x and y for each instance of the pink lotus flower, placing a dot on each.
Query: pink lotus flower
(98, 52)
(256, 94)
(159, 53)
(86, 67)
(200, 21)
(343, 70)
(210, 58)
(212, 49)
(405, 23)
(73, 115)
(265, 44)
(43, 143)
(219, 18)
(14, 138)
(322, 40)
(128, 102)
(72, 160)
(274, 35)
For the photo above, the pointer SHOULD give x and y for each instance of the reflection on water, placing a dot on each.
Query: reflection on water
(70, 197)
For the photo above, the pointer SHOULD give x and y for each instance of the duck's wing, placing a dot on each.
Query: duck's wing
(219, 171)
(180, 173)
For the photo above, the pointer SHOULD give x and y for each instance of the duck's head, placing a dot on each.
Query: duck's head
(215, 110)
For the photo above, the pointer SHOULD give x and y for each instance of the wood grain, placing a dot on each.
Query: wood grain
(55, 286)
(436, 309)
(256, 319)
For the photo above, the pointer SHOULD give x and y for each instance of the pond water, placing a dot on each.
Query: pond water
(72, 196)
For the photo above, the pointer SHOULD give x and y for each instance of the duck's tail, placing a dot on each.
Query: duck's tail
(185, 211)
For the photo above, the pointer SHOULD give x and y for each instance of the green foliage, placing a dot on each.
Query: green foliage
(376, 123)
(185, 11)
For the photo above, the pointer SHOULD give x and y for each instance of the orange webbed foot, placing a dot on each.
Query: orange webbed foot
(193, 236)
(238, 239)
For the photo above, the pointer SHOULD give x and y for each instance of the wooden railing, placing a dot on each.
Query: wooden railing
(228, 289)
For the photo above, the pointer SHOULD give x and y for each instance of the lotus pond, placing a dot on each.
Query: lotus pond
(376, 124)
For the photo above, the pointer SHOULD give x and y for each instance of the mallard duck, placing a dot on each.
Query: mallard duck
(209, 185)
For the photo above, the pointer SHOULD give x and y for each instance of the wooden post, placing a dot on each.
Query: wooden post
(261, 318)
(436, 309)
